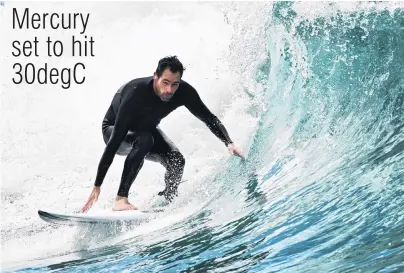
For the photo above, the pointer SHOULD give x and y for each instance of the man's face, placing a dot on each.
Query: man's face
(167, 84)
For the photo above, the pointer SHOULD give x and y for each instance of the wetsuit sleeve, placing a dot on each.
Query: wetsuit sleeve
(196, 106)
(118, 135)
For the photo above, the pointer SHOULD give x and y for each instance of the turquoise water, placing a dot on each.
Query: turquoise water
(322, 187)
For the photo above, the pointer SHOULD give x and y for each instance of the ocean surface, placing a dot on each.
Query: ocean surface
(313, 92)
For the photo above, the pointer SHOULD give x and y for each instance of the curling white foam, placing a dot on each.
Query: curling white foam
(311, 11)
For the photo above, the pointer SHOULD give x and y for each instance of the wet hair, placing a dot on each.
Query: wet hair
(170, 62)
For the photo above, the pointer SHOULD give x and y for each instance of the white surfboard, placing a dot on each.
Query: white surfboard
(103, 216)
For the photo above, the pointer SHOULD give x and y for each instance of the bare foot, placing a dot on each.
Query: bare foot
(122, 203)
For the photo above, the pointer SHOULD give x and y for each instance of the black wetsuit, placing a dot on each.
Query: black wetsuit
(130, 127)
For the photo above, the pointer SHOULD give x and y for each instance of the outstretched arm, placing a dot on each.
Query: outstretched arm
(196, 106)
(117, 136)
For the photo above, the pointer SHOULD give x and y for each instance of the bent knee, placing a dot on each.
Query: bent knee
(144, 139)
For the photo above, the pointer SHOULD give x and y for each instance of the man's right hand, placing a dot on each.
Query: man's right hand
(93, 198)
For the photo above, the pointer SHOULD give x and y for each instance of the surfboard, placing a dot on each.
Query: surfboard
(103, 216)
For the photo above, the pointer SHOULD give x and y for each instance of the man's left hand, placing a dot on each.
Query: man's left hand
(233, 150)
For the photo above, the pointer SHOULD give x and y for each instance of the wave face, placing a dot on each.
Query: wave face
(313, 92)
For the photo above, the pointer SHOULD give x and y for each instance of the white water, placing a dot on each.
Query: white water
(51, 137)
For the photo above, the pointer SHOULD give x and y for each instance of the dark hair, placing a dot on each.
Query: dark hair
(170, 62)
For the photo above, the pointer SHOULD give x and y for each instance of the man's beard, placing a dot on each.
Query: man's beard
(165, 98)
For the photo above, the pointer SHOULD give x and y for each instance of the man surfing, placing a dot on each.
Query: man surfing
(130, 128)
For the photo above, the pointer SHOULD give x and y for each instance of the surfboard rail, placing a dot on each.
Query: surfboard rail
(98, 217)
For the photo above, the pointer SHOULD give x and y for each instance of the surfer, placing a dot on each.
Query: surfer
(130, 128)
